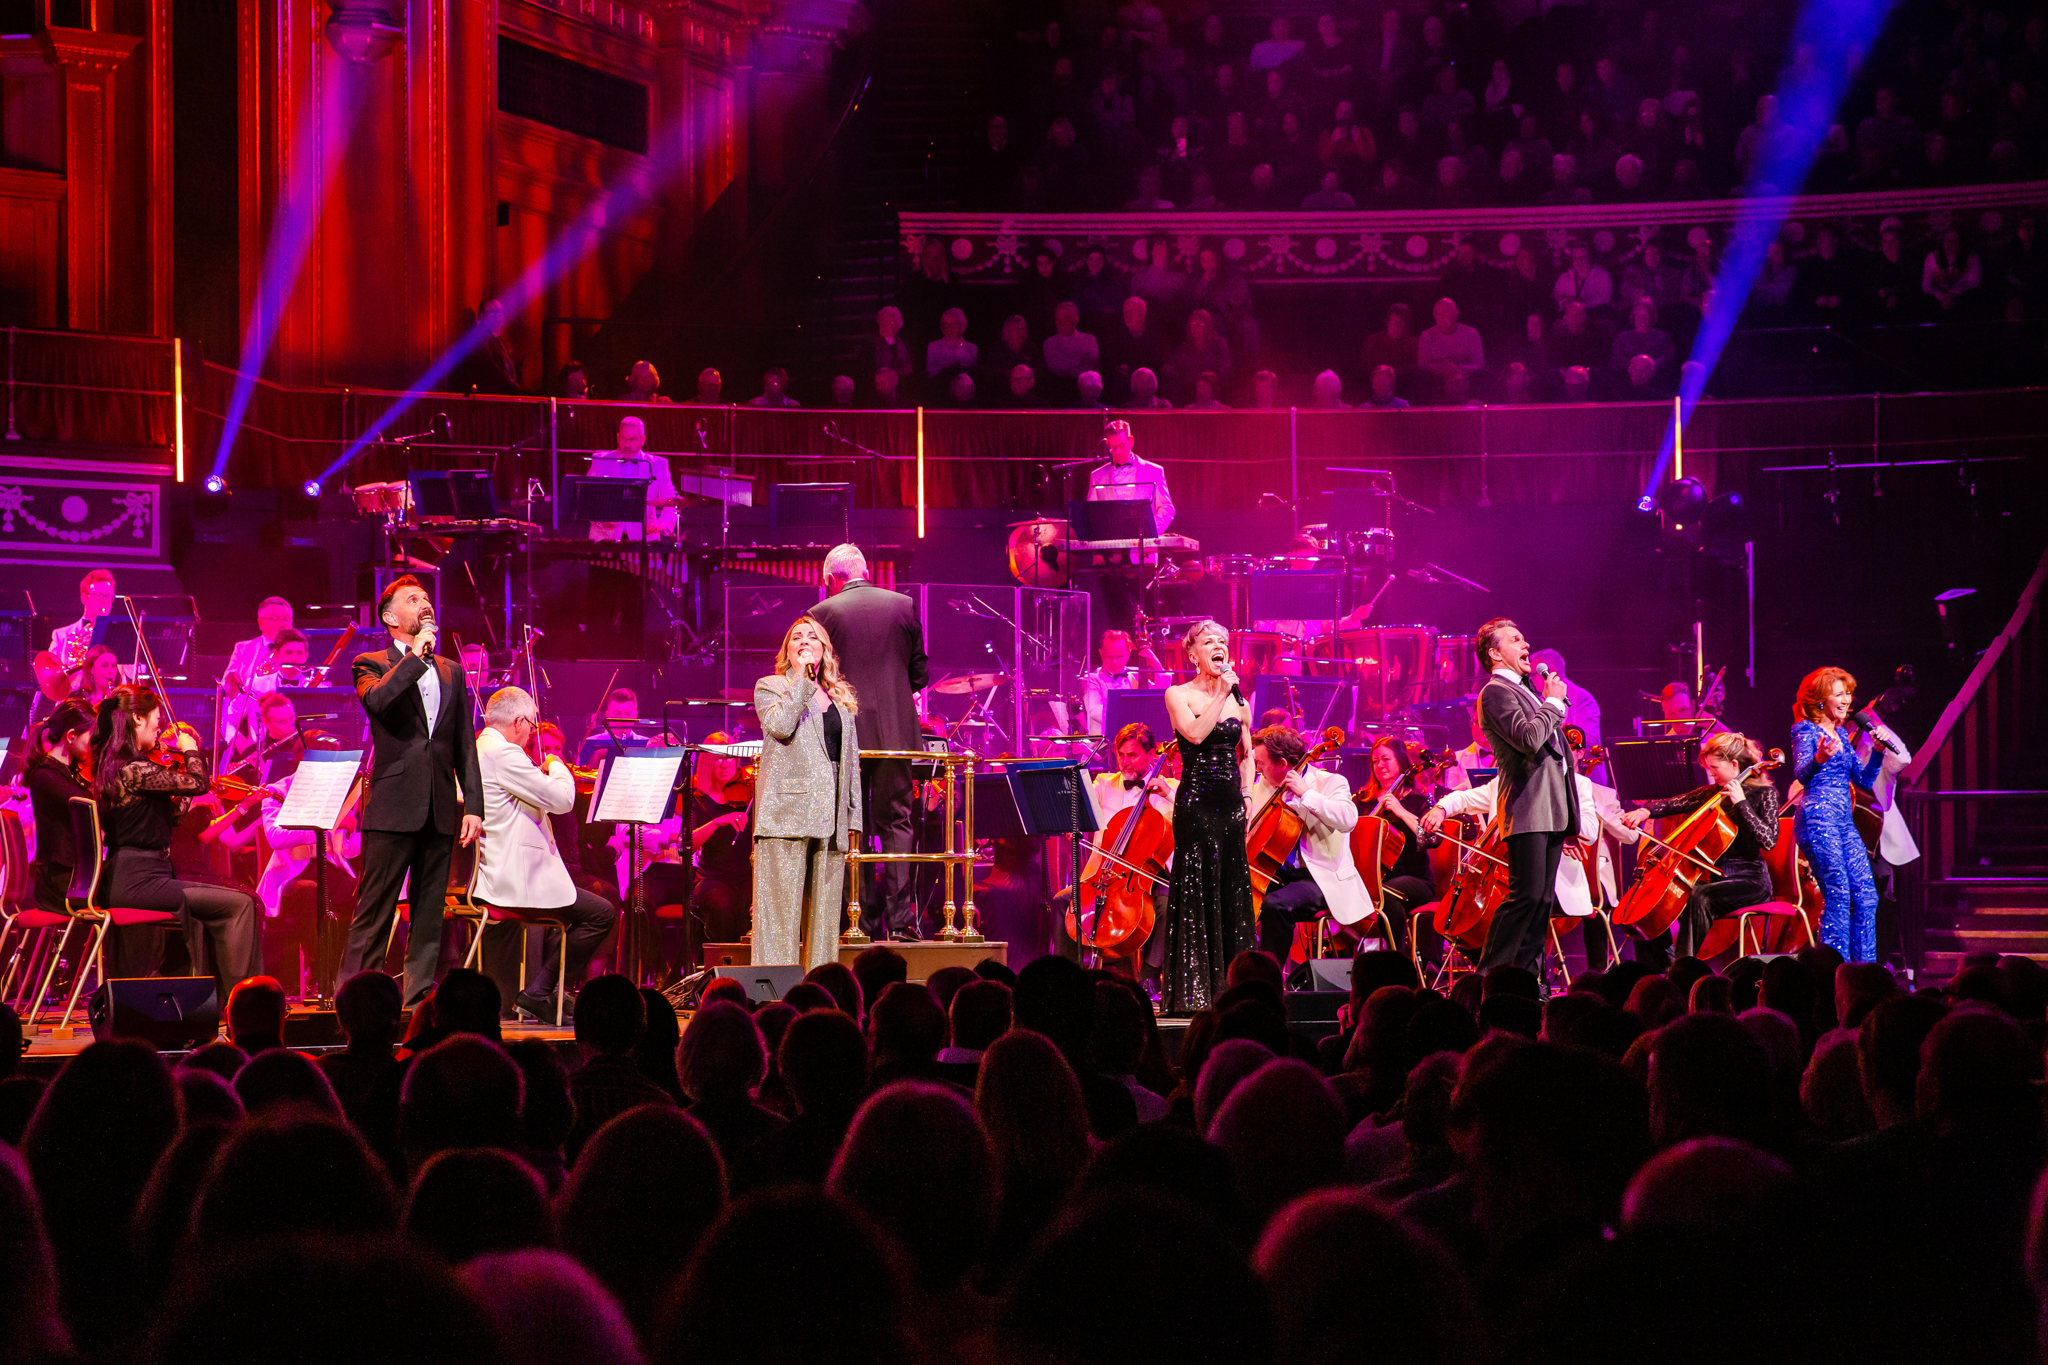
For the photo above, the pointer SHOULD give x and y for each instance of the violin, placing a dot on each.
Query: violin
(1592, 758)
(226, 788)
(1121, 873)
(1276, 829)
(1666, 876)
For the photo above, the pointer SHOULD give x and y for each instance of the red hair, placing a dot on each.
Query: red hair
(1810, 702)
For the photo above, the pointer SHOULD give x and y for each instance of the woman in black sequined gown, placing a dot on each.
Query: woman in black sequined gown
(1209, 900)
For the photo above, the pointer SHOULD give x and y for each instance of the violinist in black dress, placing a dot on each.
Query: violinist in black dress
(1740, 878)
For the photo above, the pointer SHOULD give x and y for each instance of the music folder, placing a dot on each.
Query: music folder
(637, 786)
(319, 789)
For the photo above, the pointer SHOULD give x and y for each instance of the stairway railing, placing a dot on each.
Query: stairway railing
(1966, 765)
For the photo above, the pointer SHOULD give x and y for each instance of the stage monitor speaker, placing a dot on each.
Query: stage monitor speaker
(765, 984)
(170, 1013)
(1331, 973)
(1316, 1006)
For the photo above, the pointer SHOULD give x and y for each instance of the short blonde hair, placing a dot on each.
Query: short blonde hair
(1195, 632)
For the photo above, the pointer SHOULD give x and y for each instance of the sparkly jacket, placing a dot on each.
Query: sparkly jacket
(800, 795)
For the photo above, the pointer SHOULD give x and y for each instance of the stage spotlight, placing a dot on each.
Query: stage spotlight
(1645, 503)
(1681, 499)
(213, 497)
(311, 488)
(303, 502)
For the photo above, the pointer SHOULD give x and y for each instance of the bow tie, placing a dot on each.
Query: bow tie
(1133, 783)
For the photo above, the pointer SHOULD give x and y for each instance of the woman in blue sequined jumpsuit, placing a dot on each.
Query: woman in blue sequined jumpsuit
(1824, 763)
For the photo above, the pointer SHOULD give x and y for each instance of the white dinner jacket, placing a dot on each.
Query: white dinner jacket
(1328, 815)
(1574, 895)
(517, 863)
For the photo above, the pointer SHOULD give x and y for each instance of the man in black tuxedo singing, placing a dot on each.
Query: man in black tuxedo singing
(424, 793)
(880, 643)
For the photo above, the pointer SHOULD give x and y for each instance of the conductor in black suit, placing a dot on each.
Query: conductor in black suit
(1538, 804)
(424, 792)
(880, 643)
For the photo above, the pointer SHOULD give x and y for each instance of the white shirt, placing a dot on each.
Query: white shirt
(1111, 796)
(1328, 815)
(429, 685)
(660, 522)
(1140, 478)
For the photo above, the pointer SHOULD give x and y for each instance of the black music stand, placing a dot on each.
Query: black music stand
(1652, 769)
(586, 497)
(1113, 518)
(463, 493)
(812, 507)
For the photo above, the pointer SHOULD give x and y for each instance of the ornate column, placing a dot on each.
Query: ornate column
(88, 63)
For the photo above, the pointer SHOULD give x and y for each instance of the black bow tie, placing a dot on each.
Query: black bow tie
(1133, 783)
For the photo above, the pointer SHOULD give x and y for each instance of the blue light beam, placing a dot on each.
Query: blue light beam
(298, 217)
(1833, 28)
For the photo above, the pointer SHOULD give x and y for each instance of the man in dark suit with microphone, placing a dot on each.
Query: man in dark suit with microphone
(1538, 806)
(424, 792)
(880, 643)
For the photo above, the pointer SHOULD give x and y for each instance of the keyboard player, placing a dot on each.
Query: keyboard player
(633, 461)
(1128, 477)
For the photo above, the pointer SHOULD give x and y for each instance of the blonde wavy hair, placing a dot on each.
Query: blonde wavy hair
(836, 687)
(1738, 749)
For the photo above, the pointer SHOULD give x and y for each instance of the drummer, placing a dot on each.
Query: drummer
(1118, 671)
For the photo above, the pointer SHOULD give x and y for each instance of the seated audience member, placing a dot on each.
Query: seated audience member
(886, 349)
(1022, 389)
(1395, 346)
(774, 390)
(721, 1063)
(1329, 196)
(1383, 395)
(709, 383)
(1207, 385)
(1450, 345)
(980, 1014)
(1204, 350)
(1643, 337)
(462, 1092)
(1583, 282)
(643, 384)
(610, 1017)
(1145, 390)
(1088, 389)
(1068, 351)
(887, 392)
(1327, 392)
(906, 1028)
(823, 1062)
(256, 1012)
(960, 392)
(842, 390)
(951, 350)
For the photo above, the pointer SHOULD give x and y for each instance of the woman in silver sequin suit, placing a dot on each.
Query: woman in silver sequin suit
(807, 800)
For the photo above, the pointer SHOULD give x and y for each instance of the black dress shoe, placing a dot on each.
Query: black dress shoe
(906, 936)
(542, 1007)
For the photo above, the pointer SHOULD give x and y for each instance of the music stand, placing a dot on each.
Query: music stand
(812, 507)
(463, 493)
(1122, 705)
(586, 497)
(1113, 518)
(1054, 797)
(1652, 769)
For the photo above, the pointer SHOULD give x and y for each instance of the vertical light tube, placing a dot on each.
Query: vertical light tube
(920, 473)
(1677, 437)
(178, 406)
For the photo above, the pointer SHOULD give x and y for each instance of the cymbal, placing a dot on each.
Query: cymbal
(962, 683)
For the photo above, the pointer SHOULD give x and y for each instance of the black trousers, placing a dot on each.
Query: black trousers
(886, 903)
(589, 920)
(223, 924)
(1522, 923)
(1294, 901)
(1405, 896)
(388, 857)
(1738, 884)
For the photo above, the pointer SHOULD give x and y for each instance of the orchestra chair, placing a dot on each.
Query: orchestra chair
(483, 913)
(455, 904)
(1561, 925)
(1370, 838)
(81, 907)
(1788, 897)
(14, 893)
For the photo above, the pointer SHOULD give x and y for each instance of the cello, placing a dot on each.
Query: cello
(1123, 869)
(1666, 876)
(1274, 831)
(1478, 888)
(1377, 832)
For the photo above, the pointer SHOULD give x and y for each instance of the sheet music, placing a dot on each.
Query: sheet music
(746, 748)
(320, 785)
(637, 785)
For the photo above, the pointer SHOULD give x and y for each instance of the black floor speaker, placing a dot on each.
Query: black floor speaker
(170, 1013)
(765, 985)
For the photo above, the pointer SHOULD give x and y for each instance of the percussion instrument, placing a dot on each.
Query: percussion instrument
(1038, 554)
(963, 684)
(391, 498)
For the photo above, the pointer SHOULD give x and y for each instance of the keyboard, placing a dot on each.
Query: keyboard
(1166, 541)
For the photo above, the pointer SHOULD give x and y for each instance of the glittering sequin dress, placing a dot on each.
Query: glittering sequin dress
(1209, 904)
(1826, 826)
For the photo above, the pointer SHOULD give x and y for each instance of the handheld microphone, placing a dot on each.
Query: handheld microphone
(1867, 718)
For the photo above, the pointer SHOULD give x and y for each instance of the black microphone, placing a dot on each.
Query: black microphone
(1869, 721)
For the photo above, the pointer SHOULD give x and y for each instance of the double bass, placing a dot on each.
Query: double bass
(1666, 876)
(1131, 860)
(1275, 829)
